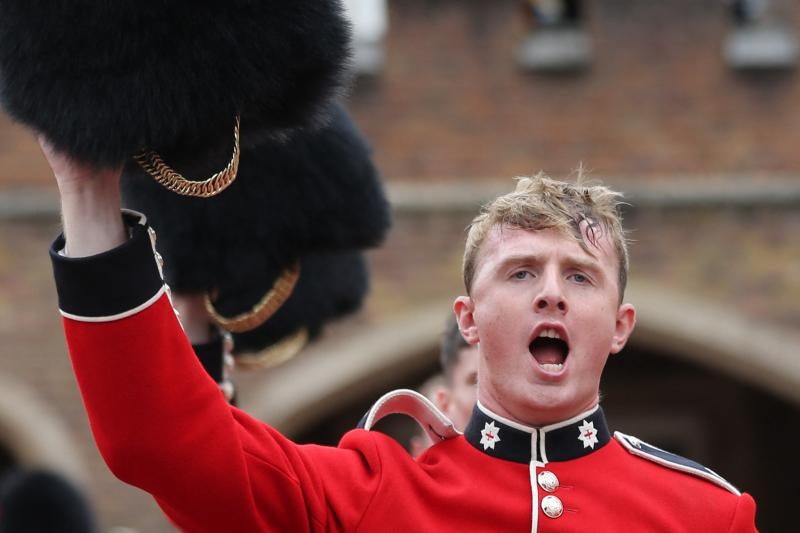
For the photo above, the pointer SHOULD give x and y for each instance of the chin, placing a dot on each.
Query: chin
(550, 407)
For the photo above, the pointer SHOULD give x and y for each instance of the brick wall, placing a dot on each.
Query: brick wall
(658, 98)
(451, 105)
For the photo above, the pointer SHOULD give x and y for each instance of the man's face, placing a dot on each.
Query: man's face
(457, 397)
(545, 315)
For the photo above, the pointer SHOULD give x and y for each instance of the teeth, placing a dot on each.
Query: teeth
(552, 367)
(550, 334)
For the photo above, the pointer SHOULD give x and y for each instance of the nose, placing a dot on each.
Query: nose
(551, 296)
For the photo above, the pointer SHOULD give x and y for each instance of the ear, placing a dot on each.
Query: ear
(464, 308)
(626, 320)
(441, 398)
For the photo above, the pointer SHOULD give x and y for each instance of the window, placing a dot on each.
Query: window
(555, 13)
(556, 40)
(370, 22)
(757, 38)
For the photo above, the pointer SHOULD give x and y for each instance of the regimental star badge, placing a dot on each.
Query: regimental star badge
(490, 435)
(587, 434)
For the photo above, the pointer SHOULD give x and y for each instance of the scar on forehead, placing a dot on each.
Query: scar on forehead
(592, 234)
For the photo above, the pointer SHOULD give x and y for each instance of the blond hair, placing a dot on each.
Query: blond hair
(540, 203)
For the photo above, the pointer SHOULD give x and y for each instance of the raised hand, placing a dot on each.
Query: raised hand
(90, 203)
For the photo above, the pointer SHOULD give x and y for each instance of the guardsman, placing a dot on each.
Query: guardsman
(545, 269)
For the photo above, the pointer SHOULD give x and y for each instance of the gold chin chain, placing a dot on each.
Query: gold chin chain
(152, 163)
(265, 308)
(278, 353)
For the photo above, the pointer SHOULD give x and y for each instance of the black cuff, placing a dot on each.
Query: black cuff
(112, 284)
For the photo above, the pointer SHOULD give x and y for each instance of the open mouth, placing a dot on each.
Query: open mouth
(549, 350)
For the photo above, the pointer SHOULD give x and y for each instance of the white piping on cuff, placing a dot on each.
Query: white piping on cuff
(118, 316)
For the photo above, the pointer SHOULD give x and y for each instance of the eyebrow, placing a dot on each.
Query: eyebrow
(519, 259)
(585, 264)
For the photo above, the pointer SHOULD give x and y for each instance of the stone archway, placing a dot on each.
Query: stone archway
(34, 436)
(348, 369)
(718, 338)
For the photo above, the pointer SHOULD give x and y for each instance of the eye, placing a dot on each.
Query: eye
(580, 278)
(521, 274)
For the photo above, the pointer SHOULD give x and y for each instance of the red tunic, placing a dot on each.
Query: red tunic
(162, 425)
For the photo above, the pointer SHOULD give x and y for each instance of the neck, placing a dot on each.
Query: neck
(533, 415)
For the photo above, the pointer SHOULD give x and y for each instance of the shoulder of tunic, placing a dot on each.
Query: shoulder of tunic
(667, 459)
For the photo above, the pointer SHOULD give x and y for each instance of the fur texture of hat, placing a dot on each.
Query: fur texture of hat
(103, 80)
(330, 286)
(317, 192)
(316, 198)
(38, 501)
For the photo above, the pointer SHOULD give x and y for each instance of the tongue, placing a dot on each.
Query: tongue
(548, 355)
(548, 351)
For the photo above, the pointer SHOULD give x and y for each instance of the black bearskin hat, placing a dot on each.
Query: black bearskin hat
(105, 80)
(313, 200)
(37, 501)
(330, 286)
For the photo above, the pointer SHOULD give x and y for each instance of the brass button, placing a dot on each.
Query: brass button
(552, 506)
(547, 480)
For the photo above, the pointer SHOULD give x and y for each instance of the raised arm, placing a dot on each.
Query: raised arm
(159, 421)
(90, 204)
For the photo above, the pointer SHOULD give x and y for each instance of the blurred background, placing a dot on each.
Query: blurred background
(692, 107)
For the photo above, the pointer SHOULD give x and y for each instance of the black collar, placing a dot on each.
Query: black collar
(502, 438)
